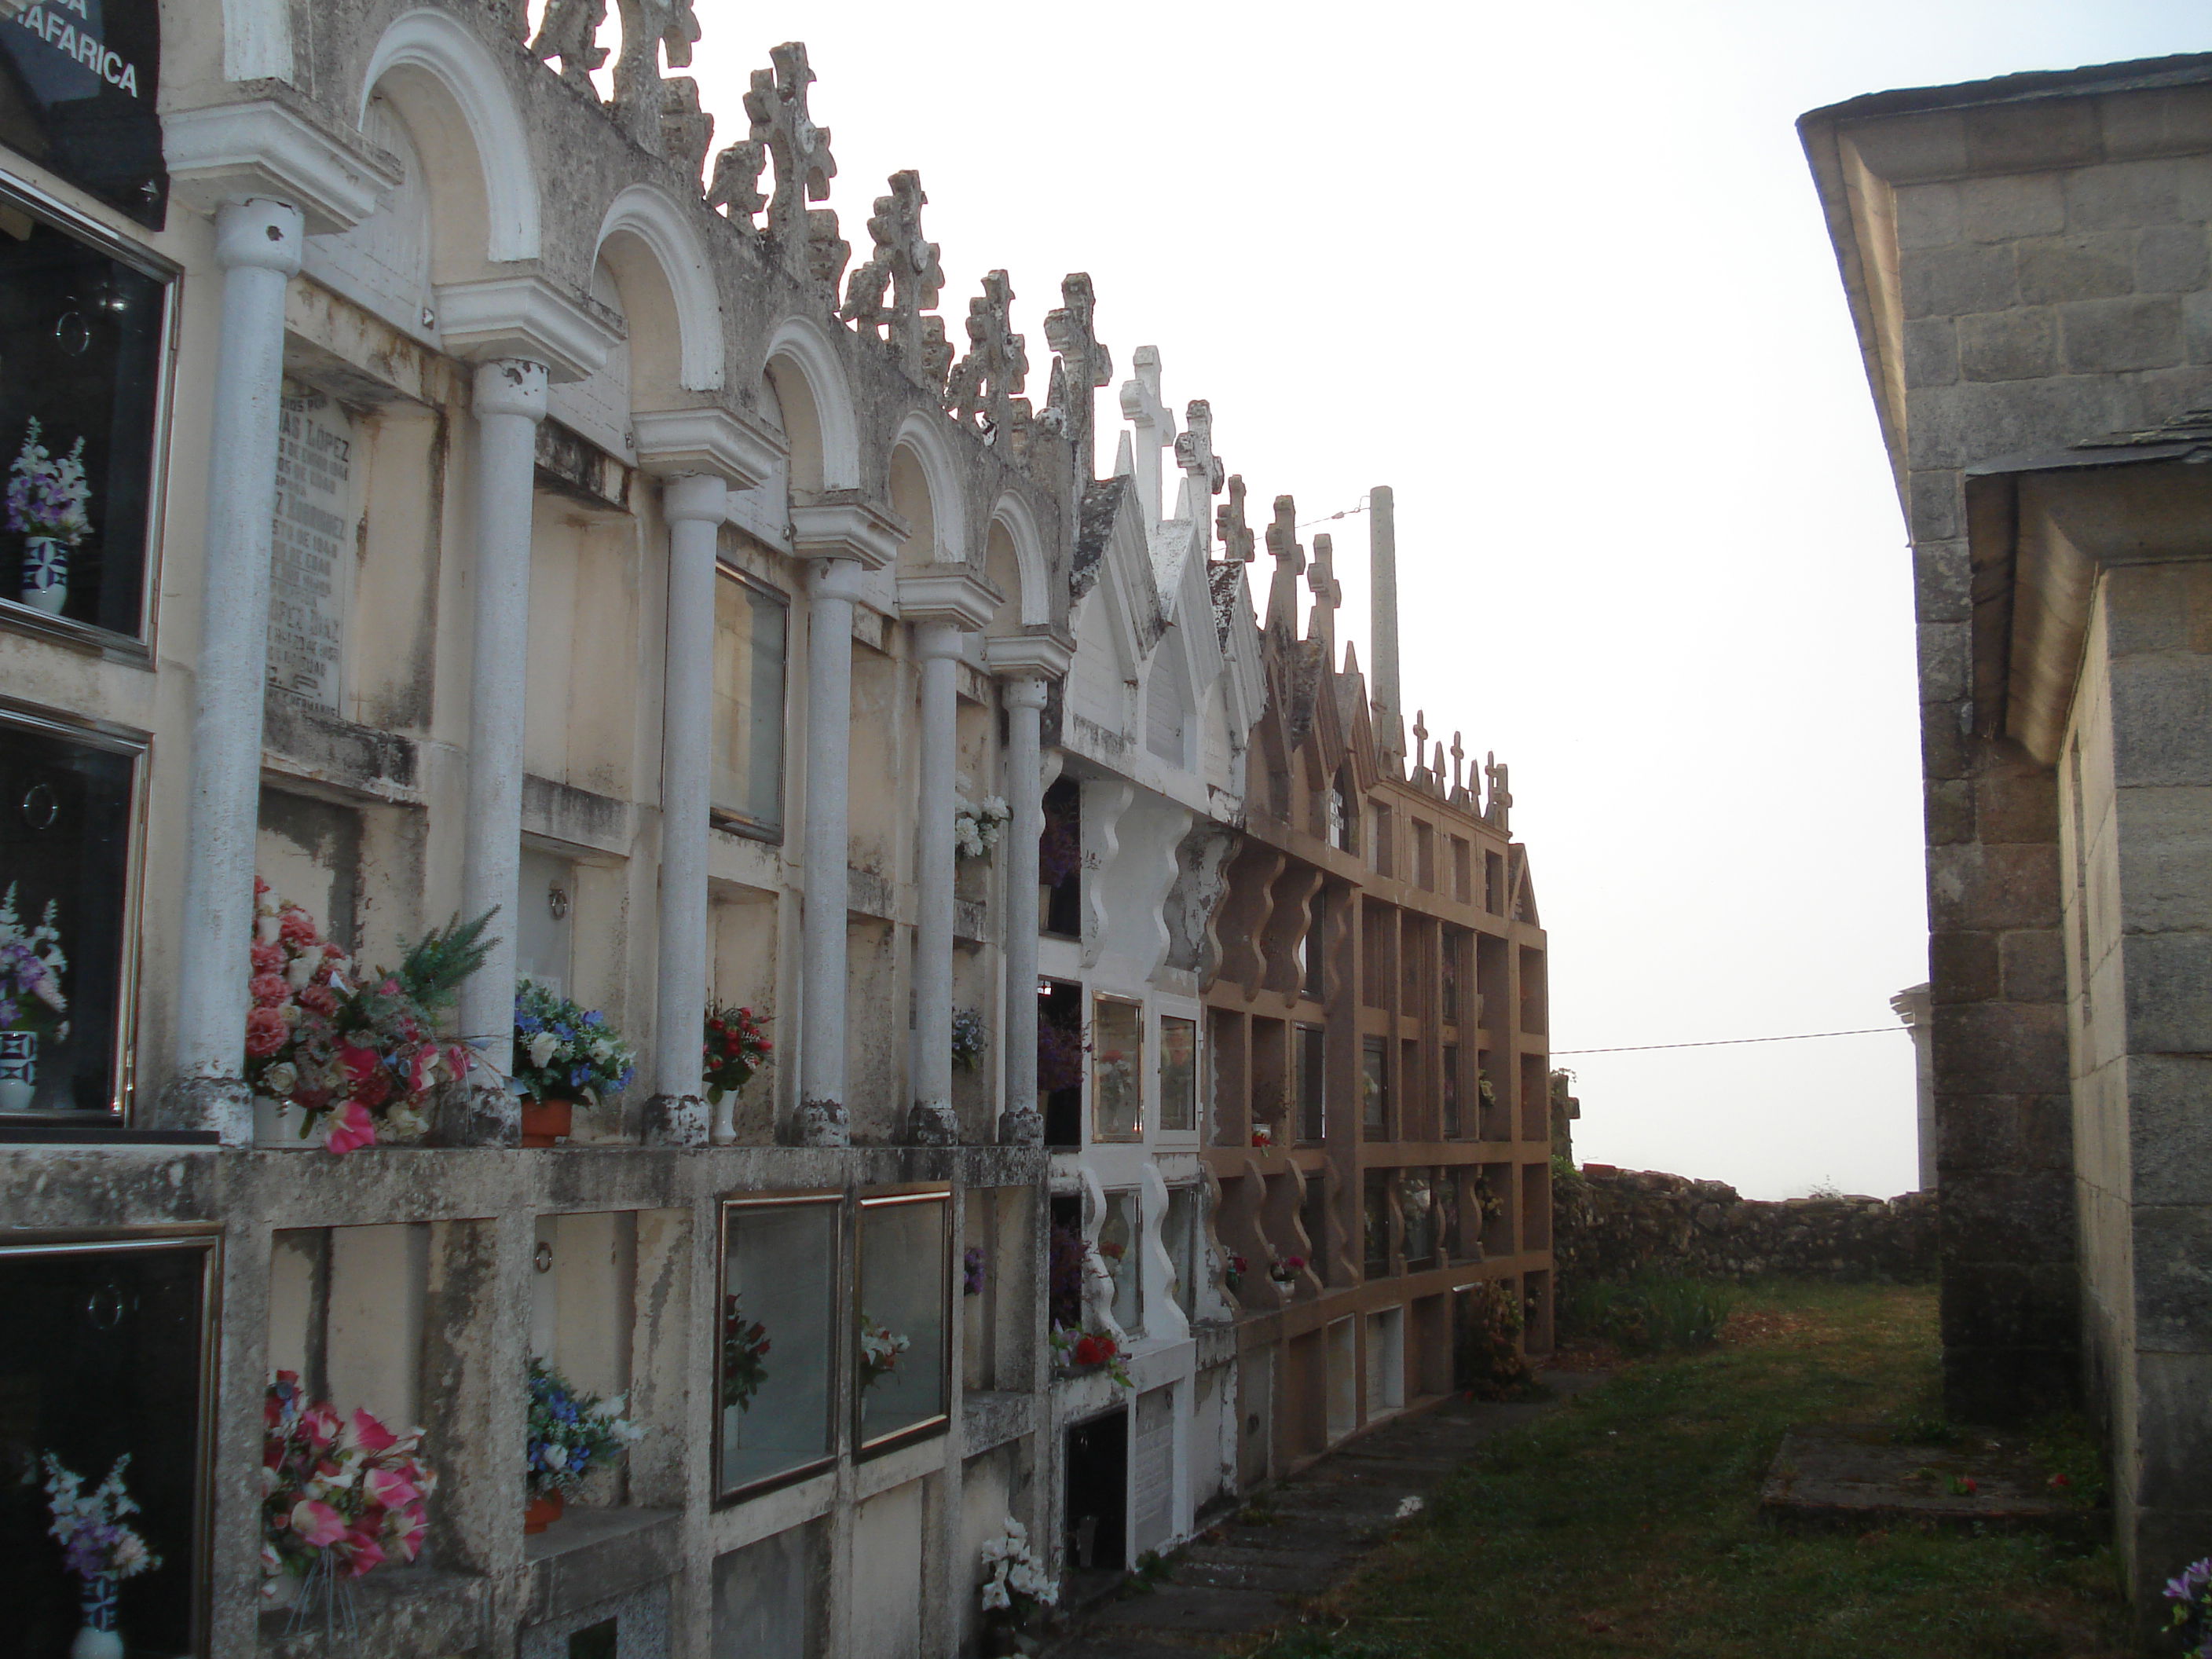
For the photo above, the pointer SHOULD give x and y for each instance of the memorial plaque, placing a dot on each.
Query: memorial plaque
(78, 85)
(311, 561)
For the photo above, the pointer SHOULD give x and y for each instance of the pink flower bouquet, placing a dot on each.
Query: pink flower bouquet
(333, 1501)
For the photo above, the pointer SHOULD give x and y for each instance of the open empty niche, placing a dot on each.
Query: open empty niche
(776, 1365)
(1386, 1361)
(899, 1346)
(345, 1312)
(769, 1596)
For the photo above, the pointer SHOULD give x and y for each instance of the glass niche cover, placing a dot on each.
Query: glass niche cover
(102, 1361)
(78, 423)
(779, 1351)
(1117, 1069)
(65, 816)
(899, 1343)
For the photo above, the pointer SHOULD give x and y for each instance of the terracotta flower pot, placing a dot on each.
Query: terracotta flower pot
(544, 1122)
(543, 1511)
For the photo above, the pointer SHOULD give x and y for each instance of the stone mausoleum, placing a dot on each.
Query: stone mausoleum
(447, 482)
(2027, 264)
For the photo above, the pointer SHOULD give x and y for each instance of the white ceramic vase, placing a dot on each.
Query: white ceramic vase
(98, 1639)
(46, 574)
(279, 1126)
(19, 1070)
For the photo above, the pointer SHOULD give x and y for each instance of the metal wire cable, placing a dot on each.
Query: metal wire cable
(1731, 1043)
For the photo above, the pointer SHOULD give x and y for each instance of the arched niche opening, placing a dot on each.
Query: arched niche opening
(801, 420)
(911, 500)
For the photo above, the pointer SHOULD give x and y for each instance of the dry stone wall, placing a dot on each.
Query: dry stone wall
(1611, 1223)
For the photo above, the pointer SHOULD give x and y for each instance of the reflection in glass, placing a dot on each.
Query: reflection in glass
(1117, 1069)
(1416, 1208)
(83, 335)
(1119, 1236)
(1455, 1126)
(1180, 1232)
(749, 631)
(65, 812)
(1374, 1088)
(1178, 1073)
(101, 1355)
(1375, 1196)
(777, 1358)
(1450, 1241)
(1313, 1076)
(899, 1350)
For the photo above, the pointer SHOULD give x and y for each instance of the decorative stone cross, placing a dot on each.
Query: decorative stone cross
(1321, 576)
(782, 131)
(1500, 810)
(886, 296)
(1201, 468)
(1458, 754)
(1283, 537)
(1228, 520)
(988, 382)
(570, 31)
(1420, 736)
(686, 131)
(1082, 364)
(1142, 407)
(649, 26)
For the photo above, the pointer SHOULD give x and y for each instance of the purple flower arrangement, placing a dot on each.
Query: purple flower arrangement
(1059, 1057)
(32, 964)
(2190, 1592)
(48, 496)
(95, 1540)
(971, 1271)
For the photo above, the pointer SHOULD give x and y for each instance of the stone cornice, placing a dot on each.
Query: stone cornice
(265, 148)
(843, 524)
(954, 595)
(527, 315)
(715, 439)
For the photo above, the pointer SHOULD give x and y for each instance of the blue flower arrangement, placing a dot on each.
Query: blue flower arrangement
(570, 1430)
(564, 1051)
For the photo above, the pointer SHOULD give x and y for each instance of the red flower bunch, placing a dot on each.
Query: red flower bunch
(734, 1048)
(331, 1502)
(1091, 1351)
(355, 1056)
(1078, 1352)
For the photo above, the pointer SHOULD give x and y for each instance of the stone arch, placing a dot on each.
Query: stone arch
(1014, 532)
(668, 293)
(924, 479)
(452, 94)
(809, 378)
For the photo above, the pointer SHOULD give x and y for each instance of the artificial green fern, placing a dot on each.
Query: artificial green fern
(437, 963)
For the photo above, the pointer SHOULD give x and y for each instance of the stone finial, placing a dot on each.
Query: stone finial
(782, 131)
(687, 132)
(1236, 534)
(648, 27)
(570, 31)
(1145, 409)
(986, 382)
(884, 298)
(1499, 810)
(936, 352)
(1458, 754)
(1321, 574)
(1081, 365)
(1421, 737)
(1202, 467)
(827, 252)
(1283, 537)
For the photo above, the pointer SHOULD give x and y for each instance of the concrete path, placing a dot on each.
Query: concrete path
(1293, 1541)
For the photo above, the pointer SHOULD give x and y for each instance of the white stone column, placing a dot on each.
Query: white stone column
(932, 1122)
(1021, 1123)
(695, 506)
(257, 244)
(832, 586)
(509, 403)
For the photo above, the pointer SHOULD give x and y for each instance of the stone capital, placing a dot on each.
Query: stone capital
(510, 385)
(694, 498)
(835, 578)
(259, 232)
(1023, 690)
(1035, 654)
(527, 316)
(843, 525)
(732, 446)
(264, 148)
(954, 594)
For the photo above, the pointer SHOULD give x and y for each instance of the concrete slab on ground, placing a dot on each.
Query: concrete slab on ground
(1855, 1477)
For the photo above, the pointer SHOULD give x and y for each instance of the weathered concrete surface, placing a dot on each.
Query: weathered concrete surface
(1291, 1542)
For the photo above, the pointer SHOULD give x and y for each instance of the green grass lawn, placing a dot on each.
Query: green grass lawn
(1626, 1521)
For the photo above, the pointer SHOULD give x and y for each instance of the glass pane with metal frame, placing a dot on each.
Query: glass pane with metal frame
(777, 1363)
(1178, 1074)
(751, 628)
(104, 1352)
(901, 1356)
(1117, 1069)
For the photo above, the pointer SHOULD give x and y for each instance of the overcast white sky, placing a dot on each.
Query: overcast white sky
(1557, 274)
